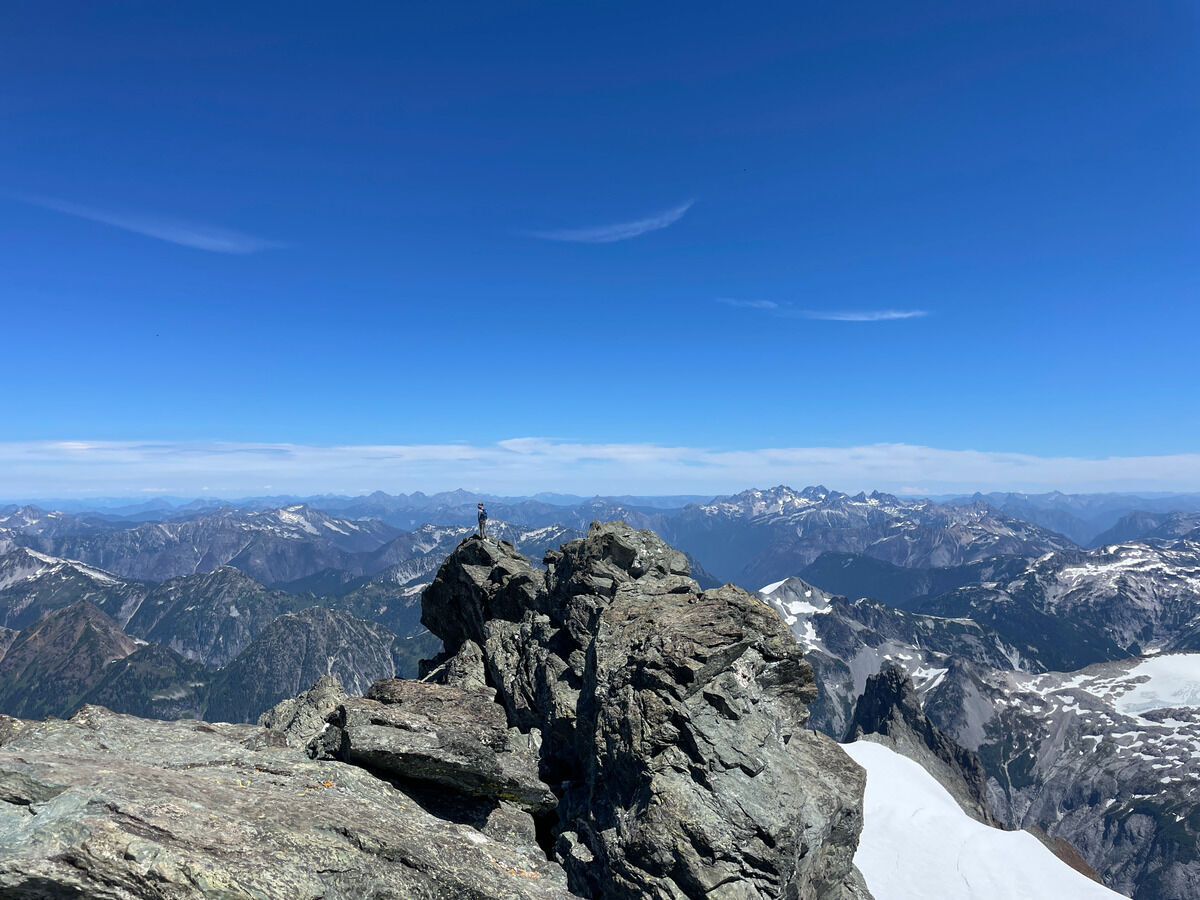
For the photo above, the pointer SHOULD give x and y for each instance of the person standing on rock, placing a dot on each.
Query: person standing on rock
(482, 521)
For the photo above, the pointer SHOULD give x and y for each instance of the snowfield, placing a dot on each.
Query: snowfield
(917, 843)
(1172, 680)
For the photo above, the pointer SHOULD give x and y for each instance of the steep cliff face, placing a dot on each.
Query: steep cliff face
(670, 721)
(889, 713)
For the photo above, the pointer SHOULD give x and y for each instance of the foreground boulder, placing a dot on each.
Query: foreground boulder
(436, 735)
(670, 720)
(302, 718)
(112, 807)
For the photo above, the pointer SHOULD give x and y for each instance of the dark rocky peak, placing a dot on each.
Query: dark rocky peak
(889, 713)
(480, 581)
(53, 662)
(612, 556)
(668, 722)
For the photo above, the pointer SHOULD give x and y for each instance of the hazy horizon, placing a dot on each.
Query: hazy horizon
(531, 468)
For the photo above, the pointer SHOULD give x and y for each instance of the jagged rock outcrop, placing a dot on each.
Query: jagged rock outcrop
(889, 713)
(302, 718)
(671, 721)
(111, 807)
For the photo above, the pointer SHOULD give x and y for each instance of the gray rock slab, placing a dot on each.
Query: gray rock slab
(437, 735)
(113, 807)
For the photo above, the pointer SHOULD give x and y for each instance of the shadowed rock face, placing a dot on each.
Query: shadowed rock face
(671, 720)
(889, 713)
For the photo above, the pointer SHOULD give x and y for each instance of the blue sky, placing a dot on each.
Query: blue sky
(725, 228)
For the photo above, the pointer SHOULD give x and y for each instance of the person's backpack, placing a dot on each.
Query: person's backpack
(483, 515)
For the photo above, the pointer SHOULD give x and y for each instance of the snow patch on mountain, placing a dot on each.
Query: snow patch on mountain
(294, 518)
(917, 843)
(1171, 681)
(23, 564)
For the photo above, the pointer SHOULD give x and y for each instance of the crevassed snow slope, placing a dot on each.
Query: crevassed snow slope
(917, 843)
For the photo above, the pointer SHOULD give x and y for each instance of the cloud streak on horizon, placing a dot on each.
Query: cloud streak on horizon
(185, 234)
(33, 469)
(622, 231)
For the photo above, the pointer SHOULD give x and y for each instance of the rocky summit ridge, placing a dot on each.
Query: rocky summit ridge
(598, 728)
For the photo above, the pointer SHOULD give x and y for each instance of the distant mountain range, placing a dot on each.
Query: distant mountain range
(761, 536)
(1081, 517)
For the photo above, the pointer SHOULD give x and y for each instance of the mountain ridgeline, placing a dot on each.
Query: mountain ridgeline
(750, 538)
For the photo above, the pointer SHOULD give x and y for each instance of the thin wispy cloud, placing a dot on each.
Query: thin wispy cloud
(185, 234)
(865, 315)
(33, 469)
(789, 311)
(748, 304)
(621, 231)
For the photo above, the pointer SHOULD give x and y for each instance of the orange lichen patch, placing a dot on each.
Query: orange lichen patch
(319, 787)
(520, 873)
